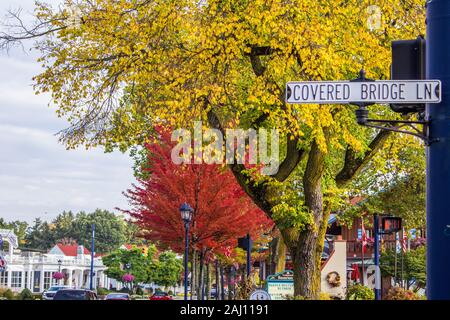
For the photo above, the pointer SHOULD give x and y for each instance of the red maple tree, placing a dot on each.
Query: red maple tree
(222, 210)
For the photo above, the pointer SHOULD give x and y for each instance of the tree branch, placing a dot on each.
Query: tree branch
(353, 164)
(257, 66)
(290, 162)
(261, 51)
(255, 191)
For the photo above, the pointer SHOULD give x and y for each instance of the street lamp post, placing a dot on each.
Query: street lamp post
(59, 269)
(128, 268)
(186, 215)
(91, 283)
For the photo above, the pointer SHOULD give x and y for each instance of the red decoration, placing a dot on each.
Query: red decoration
(355, 272)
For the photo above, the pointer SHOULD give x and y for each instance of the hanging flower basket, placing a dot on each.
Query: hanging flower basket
(58, 275)
(128, 278)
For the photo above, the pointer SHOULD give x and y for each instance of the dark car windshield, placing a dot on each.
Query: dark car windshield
(70, 295)
(55, 288)
(160, 294)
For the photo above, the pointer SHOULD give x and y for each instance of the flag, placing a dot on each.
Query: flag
(398, 247)
(363, 236)
(404, 240)
(355, 272)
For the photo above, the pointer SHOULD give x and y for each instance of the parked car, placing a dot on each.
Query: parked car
(214, 292)
(161, 296)
(75, 294)
(118, 296)
(50, 292)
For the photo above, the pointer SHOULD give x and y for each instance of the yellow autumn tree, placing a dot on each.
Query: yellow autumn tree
(115, 68)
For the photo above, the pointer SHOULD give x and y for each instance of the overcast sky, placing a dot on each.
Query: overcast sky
(38, 176)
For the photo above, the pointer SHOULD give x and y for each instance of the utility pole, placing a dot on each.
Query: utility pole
(438, 152)
(91, 285)
(376, 248)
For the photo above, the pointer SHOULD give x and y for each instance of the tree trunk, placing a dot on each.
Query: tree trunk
(306, 246)
(217, 279)
(281, 256)
(201, 282)
(193, 272)
(231, 283)
(222, 284)
(273, 255)
(208, 283)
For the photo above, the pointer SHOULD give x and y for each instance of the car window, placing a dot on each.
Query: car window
(55, 288)
(161, 294)
(117, 296)
(70, 295)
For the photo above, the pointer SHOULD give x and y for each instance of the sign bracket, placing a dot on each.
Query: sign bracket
(362, 118)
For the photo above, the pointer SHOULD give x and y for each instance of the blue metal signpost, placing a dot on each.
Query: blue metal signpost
(438, 153)
(376, 249)
(249, 255)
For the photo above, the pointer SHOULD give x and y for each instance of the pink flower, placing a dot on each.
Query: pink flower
(127, 278)
(58, 275)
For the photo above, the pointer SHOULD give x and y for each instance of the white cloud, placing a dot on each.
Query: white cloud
(38, 176)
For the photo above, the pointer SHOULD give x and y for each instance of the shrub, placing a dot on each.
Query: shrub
(360, 292)
(170, 293)
(324, 296)
(397, 293)
(139, 291)
(26, 294)
(8, 294)
(125, 290)
(37, 296)
(102, 291)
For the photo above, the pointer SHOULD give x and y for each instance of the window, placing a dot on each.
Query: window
(47, 279)
(16, 279)
(4, 279)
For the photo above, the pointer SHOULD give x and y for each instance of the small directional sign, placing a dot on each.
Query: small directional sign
(345, 92)
(260, 295)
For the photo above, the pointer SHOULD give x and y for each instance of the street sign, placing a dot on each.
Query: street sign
(347, 92)
(260, 295)
(280, 285)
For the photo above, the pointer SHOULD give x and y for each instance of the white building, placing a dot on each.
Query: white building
(34, 270)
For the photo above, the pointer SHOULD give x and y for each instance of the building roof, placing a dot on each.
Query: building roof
(71, 249)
